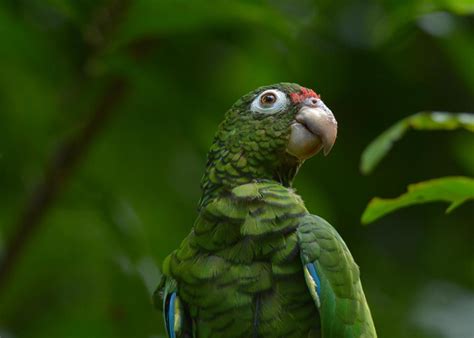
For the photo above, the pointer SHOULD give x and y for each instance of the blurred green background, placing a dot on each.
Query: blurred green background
(162, 73)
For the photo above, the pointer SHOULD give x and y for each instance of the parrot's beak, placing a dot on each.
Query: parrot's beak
(314, 128)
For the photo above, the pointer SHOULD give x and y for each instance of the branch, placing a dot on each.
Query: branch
(57, 172)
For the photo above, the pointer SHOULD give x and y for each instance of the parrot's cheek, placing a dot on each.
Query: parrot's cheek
(303, 143)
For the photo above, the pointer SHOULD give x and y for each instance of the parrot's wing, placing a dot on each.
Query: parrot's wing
(333, 280)
(165, 298)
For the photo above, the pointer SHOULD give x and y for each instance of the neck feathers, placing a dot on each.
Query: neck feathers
(226, 170)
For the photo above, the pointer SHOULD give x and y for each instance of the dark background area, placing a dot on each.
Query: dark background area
(107, 109)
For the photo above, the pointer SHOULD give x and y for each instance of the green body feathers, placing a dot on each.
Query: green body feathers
(341, 303)
(256, 263)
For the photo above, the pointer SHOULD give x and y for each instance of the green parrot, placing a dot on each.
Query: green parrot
(257, 263)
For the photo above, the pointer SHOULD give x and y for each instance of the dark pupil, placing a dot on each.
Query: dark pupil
(268, 98)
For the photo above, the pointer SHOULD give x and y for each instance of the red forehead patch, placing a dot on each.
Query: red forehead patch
(303, 94)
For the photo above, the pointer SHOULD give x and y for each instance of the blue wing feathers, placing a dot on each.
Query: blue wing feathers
(170, 314)
(314, 275)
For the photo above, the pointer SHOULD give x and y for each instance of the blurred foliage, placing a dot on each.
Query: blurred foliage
(91, 265)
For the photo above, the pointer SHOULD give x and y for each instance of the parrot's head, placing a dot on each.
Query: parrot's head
(287, 115)
(269, 132)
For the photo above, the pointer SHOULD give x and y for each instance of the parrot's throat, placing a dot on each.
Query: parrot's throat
(228, 171)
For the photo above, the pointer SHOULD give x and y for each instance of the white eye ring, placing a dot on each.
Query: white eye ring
(278, 105)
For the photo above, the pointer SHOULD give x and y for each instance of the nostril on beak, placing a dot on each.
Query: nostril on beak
(311, 102)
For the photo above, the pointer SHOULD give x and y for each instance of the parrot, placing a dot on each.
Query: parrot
(256, 263)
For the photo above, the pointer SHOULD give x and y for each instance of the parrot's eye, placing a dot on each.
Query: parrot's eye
(269, 102)
(268, 99)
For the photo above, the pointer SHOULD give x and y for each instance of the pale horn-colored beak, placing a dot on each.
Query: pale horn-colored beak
(315, 128)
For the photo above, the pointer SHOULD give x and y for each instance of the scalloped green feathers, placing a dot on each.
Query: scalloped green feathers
(335, 280)
(243, 270)
(250, 146)
(256, 263)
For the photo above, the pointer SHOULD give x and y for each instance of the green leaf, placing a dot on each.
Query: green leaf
(379, 147)
(454, 190)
